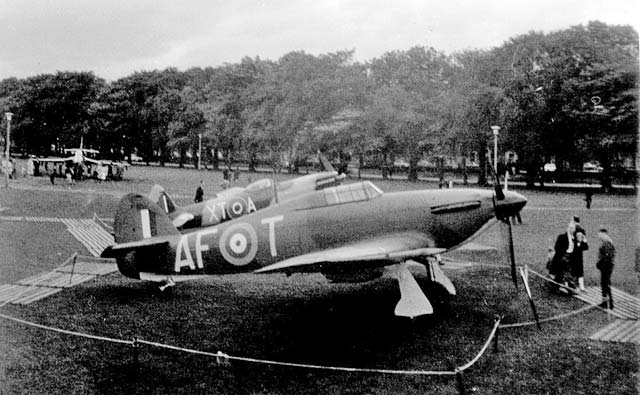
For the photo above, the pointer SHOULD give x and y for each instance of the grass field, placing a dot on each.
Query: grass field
(302, 318)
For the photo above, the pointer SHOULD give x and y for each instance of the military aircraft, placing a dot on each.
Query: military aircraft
(235, 202)
(349, 233)
(85, 156)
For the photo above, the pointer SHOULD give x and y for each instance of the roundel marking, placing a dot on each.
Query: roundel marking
(239, 244)
(237, 207)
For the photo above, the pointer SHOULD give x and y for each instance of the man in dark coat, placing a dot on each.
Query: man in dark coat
(563, 250)
(606, 259)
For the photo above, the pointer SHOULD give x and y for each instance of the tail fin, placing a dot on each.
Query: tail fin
(325, 162)
(139, 218)
(159, 196)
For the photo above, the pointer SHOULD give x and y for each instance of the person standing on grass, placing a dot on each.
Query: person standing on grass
(199, 192)
(563, 249)
(606, 259)
(588, 197)
(577, 260)
(236, 174)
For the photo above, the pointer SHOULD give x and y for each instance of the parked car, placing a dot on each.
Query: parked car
(549, 167)
(400, 165)
(591, 167)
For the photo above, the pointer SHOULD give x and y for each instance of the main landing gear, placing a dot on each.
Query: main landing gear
(413, 302)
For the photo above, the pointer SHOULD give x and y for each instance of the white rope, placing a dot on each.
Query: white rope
(484, 348)
(224, 358)
(66, 332)
(220, 355)
(554, 318)
(557, 317)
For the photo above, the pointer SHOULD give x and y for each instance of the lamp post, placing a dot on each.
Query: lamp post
(495, 130)
(7, 144)
(199, 150)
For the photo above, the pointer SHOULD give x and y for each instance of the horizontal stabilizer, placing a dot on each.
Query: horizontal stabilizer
(121, 249)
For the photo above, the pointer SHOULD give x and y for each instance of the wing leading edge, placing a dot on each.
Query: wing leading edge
(378, 251)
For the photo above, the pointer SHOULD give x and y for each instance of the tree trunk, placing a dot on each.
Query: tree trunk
(482, 159)
(413, 169)
(215, 162)
(181, 160)
(465, 173)
(385, 167)
(252, 161)
(606, 172)
(531, 174)
(440, 171)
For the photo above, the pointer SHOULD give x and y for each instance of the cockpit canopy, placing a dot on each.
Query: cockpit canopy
(260, 184)
(340, 194)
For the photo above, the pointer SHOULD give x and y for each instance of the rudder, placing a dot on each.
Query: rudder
(160, 197)
(138, 218)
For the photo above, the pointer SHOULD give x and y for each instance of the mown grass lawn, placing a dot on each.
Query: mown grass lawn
(302, 318)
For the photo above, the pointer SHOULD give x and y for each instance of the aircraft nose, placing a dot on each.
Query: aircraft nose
(511, 205)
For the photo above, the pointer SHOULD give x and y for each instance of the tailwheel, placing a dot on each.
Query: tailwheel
(167, 284)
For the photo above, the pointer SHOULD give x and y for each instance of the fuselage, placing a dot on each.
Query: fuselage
(326, 219)
(256, 196)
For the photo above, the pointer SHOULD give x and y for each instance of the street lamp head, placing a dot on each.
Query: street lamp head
(8, 115)
(495, 130)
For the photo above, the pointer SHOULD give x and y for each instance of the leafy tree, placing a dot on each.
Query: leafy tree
(552, 79)
(407, 108)
(54, 109)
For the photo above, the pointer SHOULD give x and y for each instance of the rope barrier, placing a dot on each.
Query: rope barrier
(483, 349)
(223, 358)
(548, 279)
(557, 317)
(554, 318)
(64, 331)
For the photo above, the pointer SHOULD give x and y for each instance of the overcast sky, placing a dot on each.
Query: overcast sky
(114, 38)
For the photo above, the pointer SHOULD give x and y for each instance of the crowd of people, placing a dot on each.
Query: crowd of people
(566, 262)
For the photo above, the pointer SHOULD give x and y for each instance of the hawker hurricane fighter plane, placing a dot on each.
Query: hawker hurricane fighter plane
(235, 202)
(349, 233)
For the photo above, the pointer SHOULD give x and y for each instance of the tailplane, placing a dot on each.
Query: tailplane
(326, 165)
(160, 197)
(142, 232)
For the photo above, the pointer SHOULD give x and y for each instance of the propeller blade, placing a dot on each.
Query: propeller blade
(507, 234)
(512, 255)
(525, 281)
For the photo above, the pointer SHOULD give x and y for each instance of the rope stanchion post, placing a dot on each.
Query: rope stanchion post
(136, 360)
(460, 382)
(222, 359)
(73, 266)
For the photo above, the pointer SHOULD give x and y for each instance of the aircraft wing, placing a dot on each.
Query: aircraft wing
(379, 251)
(54, 160)
(97, 162)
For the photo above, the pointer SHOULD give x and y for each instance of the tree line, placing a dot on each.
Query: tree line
(571, 95)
